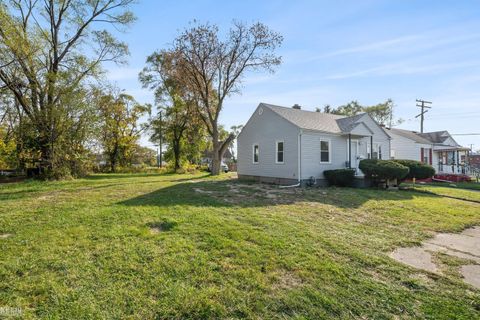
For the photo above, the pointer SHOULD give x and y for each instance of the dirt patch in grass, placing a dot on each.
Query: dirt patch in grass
(286, 280)
(5, 235)
(157, 227)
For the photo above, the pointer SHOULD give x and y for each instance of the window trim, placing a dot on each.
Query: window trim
(329, 150)
(372, 148)
(276, 152)
(253, 153)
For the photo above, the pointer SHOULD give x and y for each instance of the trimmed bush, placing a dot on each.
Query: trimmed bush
(383, 169)
(340, 177)
(368, 166)
(418, 170)
(387, 169)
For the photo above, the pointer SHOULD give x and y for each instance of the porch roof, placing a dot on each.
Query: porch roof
(449, 148)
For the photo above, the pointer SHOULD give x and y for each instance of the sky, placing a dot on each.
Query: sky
(335, 52)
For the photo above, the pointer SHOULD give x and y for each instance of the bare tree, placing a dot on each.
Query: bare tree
(213, 69)
(48, 49)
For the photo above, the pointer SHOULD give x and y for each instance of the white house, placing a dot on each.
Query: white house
(289, 145)
(438, 149)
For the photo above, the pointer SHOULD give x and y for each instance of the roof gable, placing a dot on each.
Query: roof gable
(361, 128)
(411, 135)
(438, 137)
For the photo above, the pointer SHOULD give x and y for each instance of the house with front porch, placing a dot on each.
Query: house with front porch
(438, 149)
(288, 145)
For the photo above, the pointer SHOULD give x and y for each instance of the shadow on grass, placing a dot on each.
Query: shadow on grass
(233, 193)
(108, 176)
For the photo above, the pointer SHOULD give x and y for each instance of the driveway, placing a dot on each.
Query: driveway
(464, 245)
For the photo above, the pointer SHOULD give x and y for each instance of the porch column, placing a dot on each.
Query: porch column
(458, 161)
(349, 151)
(371, 147)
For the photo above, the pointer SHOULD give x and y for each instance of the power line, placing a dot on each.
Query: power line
(423, 106)
(465, 134)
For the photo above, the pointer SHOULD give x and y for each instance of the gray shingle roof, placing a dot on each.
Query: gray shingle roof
(436, 137)
(318, 121)
(412, 135)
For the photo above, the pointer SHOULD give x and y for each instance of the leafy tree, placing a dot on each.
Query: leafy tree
(143, 156)
(350, 109)
(213, 68)
(180, 115)
(8, 150)
(119, 115)
(48, 51)
(381, 113)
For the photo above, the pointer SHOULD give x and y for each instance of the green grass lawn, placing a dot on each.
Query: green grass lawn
(454, 190)
(189, 246)
(459, 185)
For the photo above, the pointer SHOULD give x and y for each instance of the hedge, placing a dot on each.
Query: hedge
(383, 169)
(340, 177)
(418, 170)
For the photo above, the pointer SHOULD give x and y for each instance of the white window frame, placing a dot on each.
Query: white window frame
(426, 155)
(376, 148)
(253, 153)
(329, 151)
(276, 152)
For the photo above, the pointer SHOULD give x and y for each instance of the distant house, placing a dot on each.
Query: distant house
(438, 149)
(474, 160)
(289, 145)
(207, 156)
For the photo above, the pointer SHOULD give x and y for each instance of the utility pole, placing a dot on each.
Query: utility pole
(423, 105)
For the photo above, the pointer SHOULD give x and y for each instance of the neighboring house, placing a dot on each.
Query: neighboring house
(208, 155)
(410, 145)
(474, 160)
(290, 145)
(438, 149)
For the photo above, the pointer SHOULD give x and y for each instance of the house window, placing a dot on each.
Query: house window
(450, 157)
(426, 156)
(324, 151)
(279, 152)
(377, 151)
(255, 153)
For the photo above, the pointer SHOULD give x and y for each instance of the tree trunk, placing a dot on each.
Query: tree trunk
(219, 149)
(113, 160)
(176, 154)
(216, 159)
(46, 152)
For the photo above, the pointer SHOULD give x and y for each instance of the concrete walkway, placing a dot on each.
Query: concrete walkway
(465, 245)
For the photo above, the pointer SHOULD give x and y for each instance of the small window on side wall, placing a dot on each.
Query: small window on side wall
(324, 151)
(255, 153)
(279, 153)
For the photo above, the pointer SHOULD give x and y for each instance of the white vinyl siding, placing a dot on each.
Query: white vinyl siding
(265, 130)
(311, 165)
(279, 154)
(404, 148)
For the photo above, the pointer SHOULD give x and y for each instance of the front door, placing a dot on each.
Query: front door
(354, 151)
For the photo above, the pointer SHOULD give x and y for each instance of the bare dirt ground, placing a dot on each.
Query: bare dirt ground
(464, 245)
